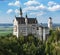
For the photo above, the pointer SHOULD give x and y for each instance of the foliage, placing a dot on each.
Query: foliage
(30, 45)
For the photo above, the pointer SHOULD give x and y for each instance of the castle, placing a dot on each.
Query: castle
(25, 26)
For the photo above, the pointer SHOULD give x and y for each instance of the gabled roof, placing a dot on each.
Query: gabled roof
(21, 20)
(31, 20)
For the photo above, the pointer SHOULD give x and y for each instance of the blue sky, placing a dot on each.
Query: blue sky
(40, 9)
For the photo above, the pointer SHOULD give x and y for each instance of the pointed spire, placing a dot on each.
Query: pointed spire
(21, 12)
(15, 16)
(26, 15)
(50, 18)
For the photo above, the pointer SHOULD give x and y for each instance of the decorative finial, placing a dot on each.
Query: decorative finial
(26, 15)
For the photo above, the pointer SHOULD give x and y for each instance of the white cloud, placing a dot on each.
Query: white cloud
(11, 4)
(38, 13)
(9, 11)
(16, 3)
(54, 8)
(31, 2)
(41, 7)
(32, 8)
(32, 5)
(51, 3)
(17, 11)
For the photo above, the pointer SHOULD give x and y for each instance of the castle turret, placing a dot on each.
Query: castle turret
(50, 23)
(26, 19)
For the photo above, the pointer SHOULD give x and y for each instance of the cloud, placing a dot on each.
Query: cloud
(54, 8)
(33, 5)
(33, 8)
(41, 7)
(16, 3)
(31, 2)
(51, 3)
(9, 11)
(30, 8)
(38, 13)
(17, 11)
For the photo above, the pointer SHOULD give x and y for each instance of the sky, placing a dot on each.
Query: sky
(40, 9)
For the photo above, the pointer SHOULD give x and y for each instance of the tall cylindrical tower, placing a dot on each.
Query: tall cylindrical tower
(50, 23)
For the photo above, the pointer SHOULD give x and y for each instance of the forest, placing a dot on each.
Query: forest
(30, 45)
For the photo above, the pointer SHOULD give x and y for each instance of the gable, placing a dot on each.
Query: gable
(21, 20)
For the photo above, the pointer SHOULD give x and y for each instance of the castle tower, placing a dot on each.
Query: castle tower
(21, 12)
(50, 23)
(26, 19)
